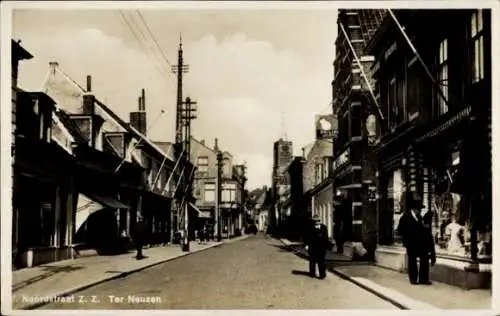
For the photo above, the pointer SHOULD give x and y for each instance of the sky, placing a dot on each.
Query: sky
(257, 75)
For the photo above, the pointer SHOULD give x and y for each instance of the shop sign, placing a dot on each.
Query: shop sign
(343, 158)
(371, 128)
(325, 126)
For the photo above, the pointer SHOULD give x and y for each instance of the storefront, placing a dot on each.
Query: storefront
(435, 166)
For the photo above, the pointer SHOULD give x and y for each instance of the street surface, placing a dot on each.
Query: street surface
(255, 273)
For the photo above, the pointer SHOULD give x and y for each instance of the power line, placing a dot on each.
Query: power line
(154, 38)
(155, 64)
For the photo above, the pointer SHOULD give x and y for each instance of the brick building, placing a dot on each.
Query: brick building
(353, 170)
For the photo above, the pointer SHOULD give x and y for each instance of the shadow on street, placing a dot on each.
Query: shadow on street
(49, 271)
(300, 272)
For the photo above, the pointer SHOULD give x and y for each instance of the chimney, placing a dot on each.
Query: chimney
(202, 141)
(304, 152)
(53, 66)
(216, 144)
(89, 83)
(143, 98)
(138, 118)
(88, 98)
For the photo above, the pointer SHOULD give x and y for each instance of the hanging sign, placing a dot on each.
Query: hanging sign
(371, 129)
(325, 126)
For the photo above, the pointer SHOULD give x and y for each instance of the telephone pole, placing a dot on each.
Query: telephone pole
(188, 113)
(179, 69)
(217, 214)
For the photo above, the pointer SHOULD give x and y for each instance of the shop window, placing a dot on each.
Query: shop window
(396, 200)
(452, 222)
(443, 77)
(476, 37)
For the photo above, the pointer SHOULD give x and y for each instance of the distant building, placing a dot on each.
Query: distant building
(282, 157)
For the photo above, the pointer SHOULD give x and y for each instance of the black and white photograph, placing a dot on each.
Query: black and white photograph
(253, 155)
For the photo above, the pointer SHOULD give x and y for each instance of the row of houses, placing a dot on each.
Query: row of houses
(82, 175)
(412, 101)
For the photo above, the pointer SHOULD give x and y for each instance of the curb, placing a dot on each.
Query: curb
(124, 274)
(369, 289)
(410, 303)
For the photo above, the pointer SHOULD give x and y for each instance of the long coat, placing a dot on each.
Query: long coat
(318, 242)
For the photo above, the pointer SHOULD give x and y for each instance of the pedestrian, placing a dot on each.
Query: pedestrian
(317, 244)
(417, 239)
(139, 236)
(341, 220)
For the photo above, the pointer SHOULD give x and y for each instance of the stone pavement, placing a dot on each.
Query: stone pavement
(62, 278)
(394, 286)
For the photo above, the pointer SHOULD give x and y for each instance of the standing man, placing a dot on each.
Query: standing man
(317, 245)
(139, 236)
(417, 240)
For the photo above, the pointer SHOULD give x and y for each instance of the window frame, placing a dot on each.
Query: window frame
(475, 36)
(443, 75)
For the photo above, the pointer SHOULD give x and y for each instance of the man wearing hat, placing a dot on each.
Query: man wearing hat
(317, 245)
(417, 240)
(139, 236)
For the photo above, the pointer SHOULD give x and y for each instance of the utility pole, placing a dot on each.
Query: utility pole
(179, 69)
(217, 218)
(188, 113)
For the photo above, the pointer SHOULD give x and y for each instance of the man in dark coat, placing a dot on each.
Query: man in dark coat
(317, 245)
(417, 239)
(139, 236)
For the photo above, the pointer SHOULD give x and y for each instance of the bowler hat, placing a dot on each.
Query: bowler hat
(316, 218)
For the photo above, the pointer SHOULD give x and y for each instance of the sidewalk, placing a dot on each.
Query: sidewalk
(69, 276)
(395, 287)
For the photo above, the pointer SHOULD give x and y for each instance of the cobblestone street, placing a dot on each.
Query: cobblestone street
(254, 273)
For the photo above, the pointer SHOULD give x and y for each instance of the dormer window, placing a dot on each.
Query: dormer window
(84, 124)
(34, 116)
(115, 143)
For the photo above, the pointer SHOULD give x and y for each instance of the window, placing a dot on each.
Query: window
(443, 77)
(209, 192)
(477, 43)
(228, 194)
(393, 103)
(396, 199)
(202, 164)
(115, 142)
(226, 168)
(417, 92)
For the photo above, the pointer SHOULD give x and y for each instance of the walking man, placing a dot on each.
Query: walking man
(317, 245)
(418, 242)
(139, 236)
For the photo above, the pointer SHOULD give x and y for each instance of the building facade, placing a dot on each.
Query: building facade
(282, 157)
(352, 103)
(436, 138)
(317, 173)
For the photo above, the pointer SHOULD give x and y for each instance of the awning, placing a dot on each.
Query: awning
(85, 207)
(455, 119)
(106, 200)
(201, 214)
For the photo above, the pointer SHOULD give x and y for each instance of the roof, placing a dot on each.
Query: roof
(67, 91)
(19, 52)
